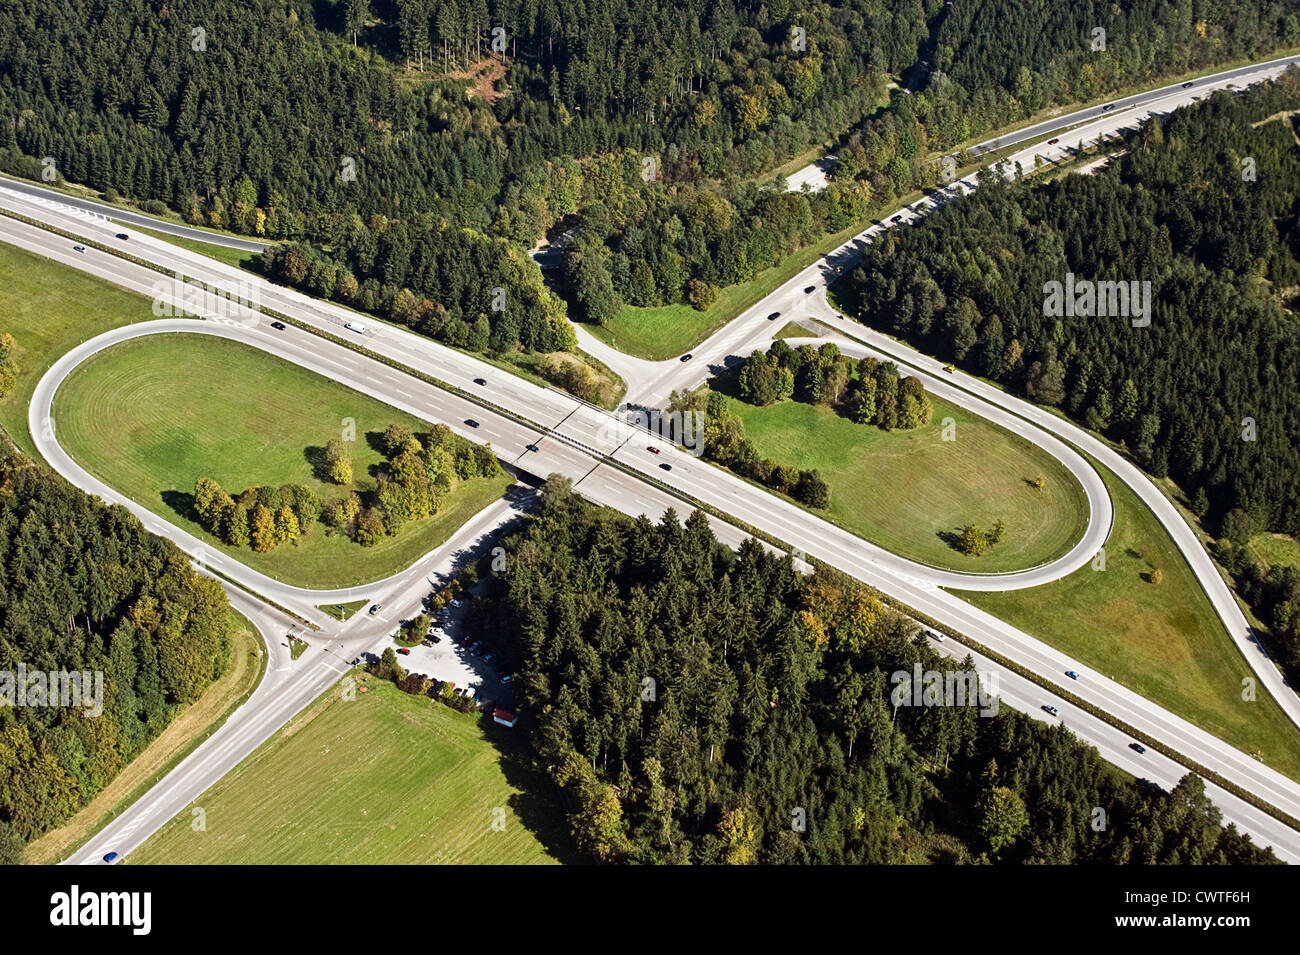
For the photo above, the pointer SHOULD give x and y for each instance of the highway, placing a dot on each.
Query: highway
(573, 431)
(1139, 105)
(577, 434)
(114, 214)
(1177, 93)
(926, 597)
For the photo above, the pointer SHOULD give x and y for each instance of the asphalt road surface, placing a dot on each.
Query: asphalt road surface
(581, 424)
(1043, 661)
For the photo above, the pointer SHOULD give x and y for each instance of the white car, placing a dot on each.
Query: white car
(357, 327)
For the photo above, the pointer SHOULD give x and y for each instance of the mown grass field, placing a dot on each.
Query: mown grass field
(182, 736)
(151, 416)
(49, 309)
(903, 489)
(1162, 640)
(385, 778)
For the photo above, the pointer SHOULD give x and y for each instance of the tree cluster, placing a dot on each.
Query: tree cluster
(260, 517)
(455, 285)
(867, 391)
(724, 441)
(419, 472)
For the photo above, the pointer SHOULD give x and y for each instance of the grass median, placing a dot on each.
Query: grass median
(50, 309)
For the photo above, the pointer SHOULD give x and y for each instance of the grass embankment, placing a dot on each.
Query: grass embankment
(384, 778)
(151, 416)
(1270, 549)
(49, 309)
(236, 257)
(909, 490)
(1162, 640)
(181, 737)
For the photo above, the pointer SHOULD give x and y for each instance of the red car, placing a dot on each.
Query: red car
(652, 449)
(404, 651)
(1052, 142)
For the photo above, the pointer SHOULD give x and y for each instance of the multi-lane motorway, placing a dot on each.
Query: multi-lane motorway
(620, 489)
(572, 438)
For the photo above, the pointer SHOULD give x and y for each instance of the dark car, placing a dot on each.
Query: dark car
(1186, 85)
(531, 447)
(123, 236)
(78, 248)
(471, 422)
(774, 316)
(1137, 748)
(1071, 674)
(404, 651)
(810, 289)
(376, 608)
(1108, 107)
(111, 858)
(896, 219)
(480, 381)
(278, 326)
(687, 357)
(666, 467)
(1053, 142)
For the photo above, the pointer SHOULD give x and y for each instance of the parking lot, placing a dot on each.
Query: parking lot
(446, 660)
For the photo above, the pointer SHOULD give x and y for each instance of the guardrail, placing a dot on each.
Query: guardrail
(712, 511)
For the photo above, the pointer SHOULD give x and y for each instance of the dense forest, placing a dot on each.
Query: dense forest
(130, 98)
(345, 123)
(84, 588)
(1209, 392)
(699, 705)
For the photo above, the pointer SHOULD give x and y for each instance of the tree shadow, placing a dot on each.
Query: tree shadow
(536, 802)
(315, 457)
(181, 504)
(951, 538)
